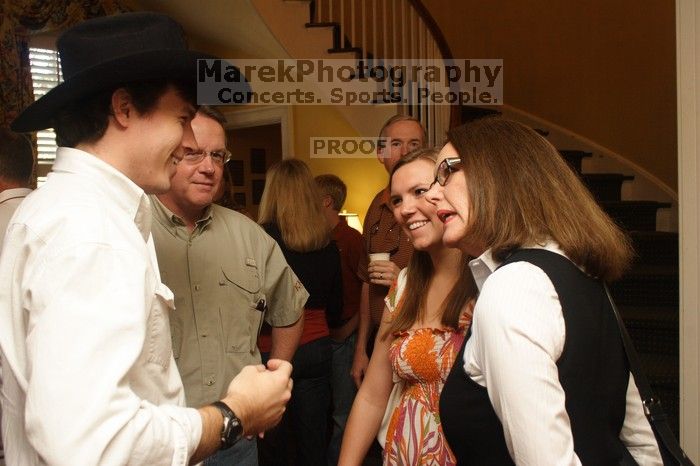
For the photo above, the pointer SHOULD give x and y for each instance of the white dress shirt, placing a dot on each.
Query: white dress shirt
(518, 335)
(89, 373)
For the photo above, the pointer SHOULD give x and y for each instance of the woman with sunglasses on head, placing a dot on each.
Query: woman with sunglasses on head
(425, 319)
(543, 378)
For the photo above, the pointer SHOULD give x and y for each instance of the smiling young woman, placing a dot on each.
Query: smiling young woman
(427, 312)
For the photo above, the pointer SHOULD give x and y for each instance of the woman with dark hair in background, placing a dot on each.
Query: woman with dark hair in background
(425, 318)
(290, 212)
(543, 378)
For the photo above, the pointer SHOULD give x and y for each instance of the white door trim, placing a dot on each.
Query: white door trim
(688, 101)
(268, 115)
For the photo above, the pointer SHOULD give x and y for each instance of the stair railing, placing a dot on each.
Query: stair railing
(394, 30)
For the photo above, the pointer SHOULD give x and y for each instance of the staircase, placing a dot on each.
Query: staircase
(372, 32)
(648, 294)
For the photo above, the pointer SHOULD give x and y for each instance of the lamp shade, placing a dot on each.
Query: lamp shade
(352, 219)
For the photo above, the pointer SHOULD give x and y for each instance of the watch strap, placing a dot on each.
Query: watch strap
(232, 430)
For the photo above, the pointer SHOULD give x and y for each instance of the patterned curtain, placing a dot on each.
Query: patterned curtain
(20, 17)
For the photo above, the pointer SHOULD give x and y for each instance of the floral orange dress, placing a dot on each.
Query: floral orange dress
(422, 358)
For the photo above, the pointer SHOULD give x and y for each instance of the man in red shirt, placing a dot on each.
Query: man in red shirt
(381, 233)
(352, 251)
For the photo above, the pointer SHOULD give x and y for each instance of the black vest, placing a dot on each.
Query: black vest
(593, 372)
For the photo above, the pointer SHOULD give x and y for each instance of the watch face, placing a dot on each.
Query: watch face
(233, 431)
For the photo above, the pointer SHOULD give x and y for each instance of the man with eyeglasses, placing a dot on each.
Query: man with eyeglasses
(227, 275)
(400, 135)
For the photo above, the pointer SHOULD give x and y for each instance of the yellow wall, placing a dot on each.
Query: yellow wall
(602, 68)
(363, 177)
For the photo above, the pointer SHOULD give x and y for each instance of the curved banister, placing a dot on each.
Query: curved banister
(392, 29)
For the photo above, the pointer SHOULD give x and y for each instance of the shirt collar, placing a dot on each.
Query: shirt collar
(117, 187)
(342, 223)
(484, 265)
(14, 193)
(173, 221)
(385, 197)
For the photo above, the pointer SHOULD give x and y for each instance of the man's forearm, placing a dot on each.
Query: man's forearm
(286, 339)
(210, 442)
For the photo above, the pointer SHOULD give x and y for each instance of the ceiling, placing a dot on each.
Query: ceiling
(223, 26)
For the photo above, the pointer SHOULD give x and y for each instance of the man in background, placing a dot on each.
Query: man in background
(16, 166)
(227, 274)
(400, 135)
(352, 251)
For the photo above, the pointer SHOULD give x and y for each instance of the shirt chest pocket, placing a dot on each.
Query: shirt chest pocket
(158, 342)
(243, 308)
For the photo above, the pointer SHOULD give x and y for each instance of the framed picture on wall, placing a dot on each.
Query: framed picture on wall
(239, 198)
(258, 161)
(236, 169)
(258, 188)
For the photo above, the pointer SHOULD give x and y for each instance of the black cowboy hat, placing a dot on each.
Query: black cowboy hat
(105, 52)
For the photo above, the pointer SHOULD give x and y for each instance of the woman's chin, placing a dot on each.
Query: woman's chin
(451, 241)
(452, 236)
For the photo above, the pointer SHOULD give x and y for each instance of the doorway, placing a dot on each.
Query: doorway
(253, 151)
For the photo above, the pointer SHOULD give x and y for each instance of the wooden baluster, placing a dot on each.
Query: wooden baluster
(394, 28)
(364, 29)
(385, 30)
(353, 41)
(375, 48)
(403, 30)
(342, 24)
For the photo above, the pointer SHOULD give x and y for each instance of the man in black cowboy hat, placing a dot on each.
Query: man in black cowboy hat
(89, 374)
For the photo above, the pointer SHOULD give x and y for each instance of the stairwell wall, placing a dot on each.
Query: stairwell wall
(602, 69)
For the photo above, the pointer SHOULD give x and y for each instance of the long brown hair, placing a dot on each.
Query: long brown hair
(292, 201)
(522, 192)
(420, 273)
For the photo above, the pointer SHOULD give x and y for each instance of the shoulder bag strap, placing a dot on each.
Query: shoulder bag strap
(652, 405)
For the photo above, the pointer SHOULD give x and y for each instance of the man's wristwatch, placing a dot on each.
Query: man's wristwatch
(232, 431)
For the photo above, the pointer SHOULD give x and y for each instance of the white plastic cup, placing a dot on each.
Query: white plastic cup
(379, 256)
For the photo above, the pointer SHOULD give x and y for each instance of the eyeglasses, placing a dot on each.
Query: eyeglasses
(447, 167)
(219, 157)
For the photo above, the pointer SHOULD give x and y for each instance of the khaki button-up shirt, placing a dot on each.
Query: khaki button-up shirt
(227, 276)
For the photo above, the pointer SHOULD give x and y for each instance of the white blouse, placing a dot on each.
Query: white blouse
(514, 355)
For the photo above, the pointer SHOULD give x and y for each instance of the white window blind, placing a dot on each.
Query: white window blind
(46, 74)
